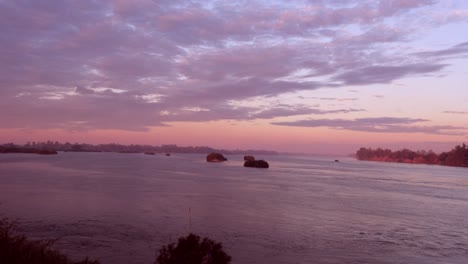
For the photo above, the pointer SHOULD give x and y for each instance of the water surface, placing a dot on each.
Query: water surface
(120, 208)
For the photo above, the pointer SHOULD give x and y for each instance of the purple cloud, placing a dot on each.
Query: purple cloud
(458, 49)
(120, 111)
(84, 90)
(456, 112)
(336, 99)
(282, 112)
(378, 125)
(131, 65)
(343, 122)
(385, 74)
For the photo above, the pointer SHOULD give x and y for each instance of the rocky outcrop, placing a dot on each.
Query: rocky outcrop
(249, 158)
(215, 157)
(256, 164)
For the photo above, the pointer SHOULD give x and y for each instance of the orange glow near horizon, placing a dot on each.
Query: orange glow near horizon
(236, 135)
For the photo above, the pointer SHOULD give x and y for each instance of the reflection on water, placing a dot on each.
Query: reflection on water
(119, 208)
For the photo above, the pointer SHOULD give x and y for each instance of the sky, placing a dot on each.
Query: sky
(308, 76)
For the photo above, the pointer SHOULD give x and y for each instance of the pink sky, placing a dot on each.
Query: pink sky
(299, 76)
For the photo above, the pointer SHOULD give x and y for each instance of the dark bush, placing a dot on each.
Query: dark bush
(192, 250)
(17, 249)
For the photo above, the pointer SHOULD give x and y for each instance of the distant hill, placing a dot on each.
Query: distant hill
(31, 147)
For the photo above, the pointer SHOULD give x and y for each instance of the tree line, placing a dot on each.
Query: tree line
(457, 157)
(32, 147)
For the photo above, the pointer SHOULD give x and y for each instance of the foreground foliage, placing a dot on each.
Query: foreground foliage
(17, 249)
(192, 250)
(457, 157)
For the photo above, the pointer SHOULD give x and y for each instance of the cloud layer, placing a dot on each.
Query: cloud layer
(130, 65)
(379, 124)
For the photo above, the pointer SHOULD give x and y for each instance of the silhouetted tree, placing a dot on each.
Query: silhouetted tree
(192, 250)
(458, 156)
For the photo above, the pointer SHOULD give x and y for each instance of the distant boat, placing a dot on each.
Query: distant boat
(168, 154)
(337, 161)
(150, 153)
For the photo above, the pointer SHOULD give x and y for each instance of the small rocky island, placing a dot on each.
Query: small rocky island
(250, 161)
(215, 157)
(249, 158)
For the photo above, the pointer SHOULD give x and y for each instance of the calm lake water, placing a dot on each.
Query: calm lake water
(120, 208)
